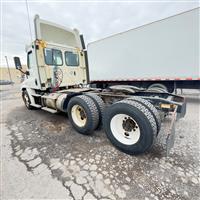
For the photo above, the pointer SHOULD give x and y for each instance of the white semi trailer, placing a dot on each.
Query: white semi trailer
(163, 54)
(58, 80)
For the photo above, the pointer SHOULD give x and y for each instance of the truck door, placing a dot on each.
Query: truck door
(33, 71)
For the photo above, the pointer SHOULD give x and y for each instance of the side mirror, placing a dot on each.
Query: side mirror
(17, 63)
(27, 73)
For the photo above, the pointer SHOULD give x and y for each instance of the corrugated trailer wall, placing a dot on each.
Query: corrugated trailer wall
(166, 49)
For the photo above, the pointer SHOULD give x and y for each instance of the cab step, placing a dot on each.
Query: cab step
(49, 110)
(36, 105)
(36, 95)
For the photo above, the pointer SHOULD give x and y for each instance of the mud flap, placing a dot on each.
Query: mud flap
(181, 111)
(171, 135)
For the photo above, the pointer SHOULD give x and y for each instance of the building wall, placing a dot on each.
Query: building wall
(15, 74)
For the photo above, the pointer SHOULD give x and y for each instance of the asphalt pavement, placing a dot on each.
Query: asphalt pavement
(43, 157)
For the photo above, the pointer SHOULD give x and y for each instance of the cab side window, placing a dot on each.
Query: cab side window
(71, 59)
(53, 57)
(57, 57)
(48, 56)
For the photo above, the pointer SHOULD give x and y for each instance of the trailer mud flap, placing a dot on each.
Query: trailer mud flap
(171, 134)
(181, 111)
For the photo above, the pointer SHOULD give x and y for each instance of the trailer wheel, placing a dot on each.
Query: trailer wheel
(170, 88)
(99, 103)
(83, 114)
(156, 89)
(27, 100)
(158, 86)
(151, 108)
(130, 126)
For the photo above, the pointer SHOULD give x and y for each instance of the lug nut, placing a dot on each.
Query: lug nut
(126, 134)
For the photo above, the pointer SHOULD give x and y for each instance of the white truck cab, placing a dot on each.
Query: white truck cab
(56, 57)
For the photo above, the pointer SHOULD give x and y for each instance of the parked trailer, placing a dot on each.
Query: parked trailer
(57, 80)
(162, 54)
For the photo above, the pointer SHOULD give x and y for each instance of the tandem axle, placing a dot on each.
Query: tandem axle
(131, 118)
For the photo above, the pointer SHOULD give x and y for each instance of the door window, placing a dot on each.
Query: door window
(30, 59)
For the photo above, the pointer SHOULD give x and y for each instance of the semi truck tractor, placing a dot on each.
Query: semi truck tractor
(94, 87)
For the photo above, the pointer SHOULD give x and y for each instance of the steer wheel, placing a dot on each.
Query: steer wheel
(27, 100)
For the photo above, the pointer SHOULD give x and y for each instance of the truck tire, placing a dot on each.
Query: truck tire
(156, 89)
(170, 88)
(99, 103)
(130, 126)
(83, 114)
(158, 86)
(27, 100)
(151, 108)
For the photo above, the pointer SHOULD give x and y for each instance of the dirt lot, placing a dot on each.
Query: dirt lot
(43, 157)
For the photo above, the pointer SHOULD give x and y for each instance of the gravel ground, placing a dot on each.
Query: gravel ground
(43, 157)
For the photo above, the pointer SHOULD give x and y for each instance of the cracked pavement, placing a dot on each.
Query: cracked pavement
(45, 158)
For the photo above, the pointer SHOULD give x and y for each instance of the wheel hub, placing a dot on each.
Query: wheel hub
(125, 129)
(82, 113)
(79, 115)
(128, 125)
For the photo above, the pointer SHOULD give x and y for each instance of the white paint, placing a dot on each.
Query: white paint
(120, 133)
(164, 49)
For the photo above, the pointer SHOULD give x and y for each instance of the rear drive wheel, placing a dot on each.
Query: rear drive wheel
(130, 126)
(151, 108)
(83, 114)
(99, 103)
(27, 100)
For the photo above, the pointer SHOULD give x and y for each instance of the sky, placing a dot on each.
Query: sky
(95, 20)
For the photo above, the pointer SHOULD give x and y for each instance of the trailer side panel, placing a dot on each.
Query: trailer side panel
(166, 49)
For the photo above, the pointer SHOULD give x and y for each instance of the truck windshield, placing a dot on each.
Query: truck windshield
(71, 58)
(53, 57)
